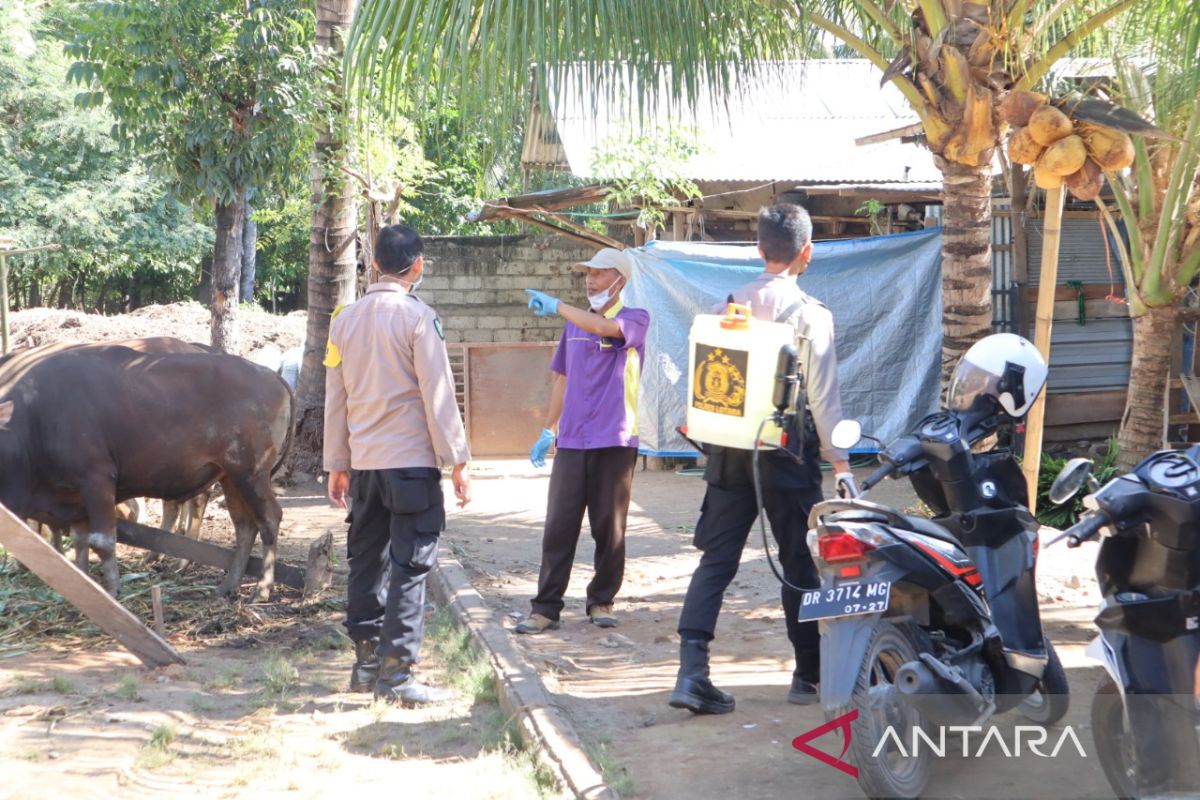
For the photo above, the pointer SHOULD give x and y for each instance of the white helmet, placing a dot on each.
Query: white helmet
(1004, 367)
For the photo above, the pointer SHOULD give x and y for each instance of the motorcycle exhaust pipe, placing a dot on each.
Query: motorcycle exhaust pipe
(942, 694)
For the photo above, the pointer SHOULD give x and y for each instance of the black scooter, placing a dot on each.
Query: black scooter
(1144, 713)
(930, 621)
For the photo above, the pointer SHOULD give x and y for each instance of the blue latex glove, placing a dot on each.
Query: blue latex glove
(542, 304)
(542, 446)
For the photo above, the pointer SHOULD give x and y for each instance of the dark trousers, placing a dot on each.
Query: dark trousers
(598, 481)
(397, 516)
(727, 515)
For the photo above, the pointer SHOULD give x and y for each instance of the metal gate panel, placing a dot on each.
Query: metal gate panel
(507, 391)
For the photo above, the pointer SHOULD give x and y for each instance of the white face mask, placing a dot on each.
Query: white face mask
(600, 299)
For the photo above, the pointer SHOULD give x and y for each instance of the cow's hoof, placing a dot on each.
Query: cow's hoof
(262, 595)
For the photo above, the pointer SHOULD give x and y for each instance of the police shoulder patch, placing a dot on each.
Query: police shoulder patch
(437, 326)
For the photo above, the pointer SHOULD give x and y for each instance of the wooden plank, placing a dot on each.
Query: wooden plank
(1093, 309)
(85, 594)
(1044, 320)
(172, 544)
(1077, 408)
(1091, 291)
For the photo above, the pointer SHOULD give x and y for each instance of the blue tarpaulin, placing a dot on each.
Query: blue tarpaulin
(886, 299)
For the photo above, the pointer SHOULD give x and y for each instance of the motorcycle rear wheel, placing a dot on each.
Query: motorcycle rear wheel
(891, 774)
(1049, 703)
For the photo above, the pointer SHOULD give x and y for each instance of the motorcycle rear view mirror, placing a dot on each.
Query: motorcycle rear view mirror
(1070, 480)
(846, 434)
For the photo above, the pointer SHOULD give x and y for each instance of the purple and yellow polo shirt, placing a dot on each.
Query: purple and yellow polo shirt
(603, 373)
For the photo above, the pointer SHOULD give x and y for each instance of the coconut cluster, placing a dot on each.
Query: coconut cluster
(1062, 151)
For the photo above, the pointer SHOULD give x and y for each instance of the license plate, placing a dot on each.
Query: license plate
(845, 600)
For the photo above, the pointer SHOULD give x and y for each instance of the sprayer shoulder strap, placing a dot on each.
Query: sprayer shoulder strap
(786, 314)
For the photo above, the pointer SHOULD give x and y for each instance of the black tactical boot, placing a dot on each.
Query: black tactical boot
(806, 678)
(693, 690)
(803, 692)
(365, 671)
(397, 685)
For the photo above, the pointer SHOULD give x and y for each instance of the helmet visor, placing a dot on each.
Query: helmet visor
(970, 381)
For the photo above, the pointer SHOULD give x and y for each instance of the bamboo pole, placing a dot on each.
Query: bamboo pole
(1047, 280)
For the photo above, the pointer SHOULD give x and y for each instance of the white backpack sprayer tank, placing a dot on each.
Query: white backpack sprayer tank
(738, 378)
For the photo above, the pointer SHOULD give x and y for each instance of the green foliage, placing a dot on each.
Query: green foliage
(873, 210)
(1067, 514)
(647, 170)
(63, 179)
(218, 94)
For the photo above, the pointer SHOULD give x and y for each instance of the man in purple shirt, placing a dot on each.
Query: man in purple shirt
(593, 402)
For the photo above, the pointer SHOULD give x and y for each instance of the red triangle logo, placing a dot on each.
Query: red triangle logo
(841, 723)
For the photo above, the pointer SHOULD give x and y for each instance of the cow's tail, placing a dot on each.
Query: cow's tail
(290, 436)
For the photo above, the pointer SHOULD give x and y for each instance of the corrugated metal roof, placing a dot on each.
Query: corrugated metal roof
(796, 122)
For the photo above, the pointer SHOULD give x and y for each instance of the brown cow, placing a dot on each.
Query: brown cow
(84, 428)
(183, 518)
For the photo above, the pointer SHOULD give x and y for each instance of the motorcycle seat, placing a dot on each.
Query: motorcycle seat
(930, 528)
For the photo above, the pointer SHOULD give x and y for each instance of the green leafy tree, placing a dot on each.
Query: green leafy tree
(1158, 200)
(952, 61)
(647, 171)
(63, 179)
(216, 94)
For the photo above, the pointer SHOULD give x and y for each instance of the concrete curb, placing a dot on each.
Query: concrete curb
(543, 725)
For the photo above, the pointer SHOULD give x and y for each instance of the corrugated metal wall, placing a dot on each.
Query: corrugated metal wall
(1095, 356)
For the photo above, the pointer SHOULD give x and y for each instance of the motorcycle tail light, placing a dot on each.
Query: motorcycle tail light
(850, 571)
(835, 548)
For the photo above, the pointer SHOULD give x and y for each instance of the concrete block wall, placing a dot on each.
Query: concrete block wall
(477, 284)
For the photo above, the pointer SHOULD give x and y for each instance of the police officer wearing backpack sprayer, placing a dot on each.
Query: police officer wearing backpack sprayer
(790, 485)
(391, 417)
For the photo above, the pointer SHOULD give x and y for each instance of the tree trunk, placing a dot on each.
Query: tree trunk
(331, 252)
(1142, 426)
(226, 270)
(966, 260)
(249, 250)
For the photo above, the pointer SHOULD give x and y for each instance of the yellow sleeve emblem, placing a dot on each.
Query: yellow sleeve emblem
(333, 356)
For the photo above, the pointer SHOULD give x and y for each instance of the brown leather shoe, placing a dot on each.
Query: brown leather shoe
(537, 623)
(602, 616)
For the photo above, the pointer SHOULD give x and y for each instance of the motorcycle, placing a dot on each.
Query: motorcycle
(930, 621)
(1144, 712)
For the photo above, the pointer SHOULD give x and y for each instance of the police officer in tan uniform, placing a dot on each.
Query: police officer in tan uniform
(391, 423)
(790, 486)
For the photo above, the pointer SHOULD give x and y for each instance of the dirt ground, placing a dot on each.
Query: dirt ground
(614, 685)
(187, 320)
(259, 709)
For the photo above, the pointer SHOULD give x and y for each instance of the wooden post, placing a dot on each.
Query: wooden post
(156, 607)
(3, 304)
(1020, 248)
(1047, 281)
(82, 592)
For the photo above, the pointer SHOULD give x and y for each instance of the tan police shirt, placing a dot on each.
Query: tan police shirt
(389, 390)
(770, 295)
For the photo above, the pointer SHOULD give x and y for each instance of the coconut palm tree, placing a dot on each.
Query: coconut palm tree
(332, 259)
(952, 60)
(1159, 201)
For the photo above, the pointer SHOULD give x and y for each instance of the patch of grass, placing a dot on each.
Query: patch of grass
(27, 684)
(332, 642)
(128, 689)
(467, 669)
(162, 737)
(157, 752)
(614, 774)
(279, 674)
(202, 704)
(225, 679)
(64, 685)
(498, 731)
(393, 752)
(256, 745)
